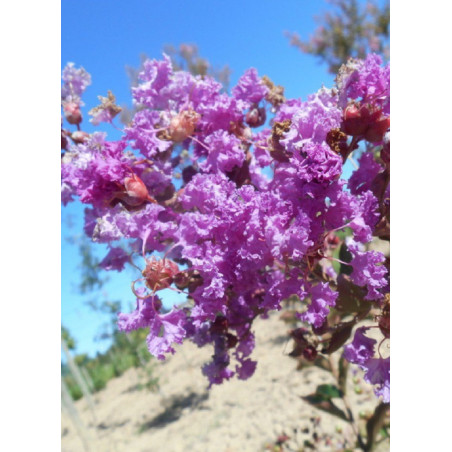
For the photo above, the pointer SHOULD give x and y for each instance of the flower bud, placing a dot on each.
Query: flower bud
(256, 117)
(332, 239)
(366, 121)
(159, 273)
(79, 136)
(72, 113)
(310, 353)
(376, 131)
(353, 123)
(188, 173)
(135, 187)
(183, 125)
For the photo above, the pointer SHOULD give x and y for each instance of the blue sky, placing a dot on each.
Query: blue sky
(105, 36)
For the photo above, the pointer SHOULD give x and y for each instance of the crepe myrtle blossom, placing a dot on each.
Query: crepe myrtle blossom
(322, 297)
(75, 82)
(361, 351)
(368, 271)
(238, 203)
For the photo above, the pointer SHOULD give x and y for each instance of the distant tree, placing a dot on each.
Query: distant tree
(187, 58)
(83, 374)
(350, 30)
(90, 278)
(66, 336)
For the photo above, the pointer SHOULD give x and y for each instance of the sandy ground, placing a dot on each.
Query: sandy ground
(238, 416)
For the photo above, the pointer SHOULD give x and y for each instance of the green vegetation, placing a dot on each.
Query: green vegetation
(126, 351)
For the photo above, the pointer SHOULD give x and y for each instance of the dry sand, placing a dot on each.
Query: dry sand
(238, 416)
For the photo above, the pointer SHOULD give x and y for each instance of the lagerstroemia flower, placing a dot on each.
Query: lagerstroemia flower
(143, 136)
(361, 179)
(115, 259)
(361, 349)
(75, 82)
(250, 88)
(225, 154)
(365, 79)
(245, 218)
(365, 218)
(378, 374)
(322, 297)
(164, 329)
(368, 270)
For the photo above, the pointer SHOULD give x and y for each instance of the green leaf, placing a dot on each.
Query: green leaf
(325, 405)
(384, 433)
(328, 391)
(342, 233)
(335, 263)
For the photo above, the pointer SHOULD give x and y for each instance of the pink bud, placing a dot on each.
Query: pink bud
(376, 131)
(135, 187)
(183, 125)
(79, 136)
(310, 353)
(354, 122)
(365, 120)
(256, 117)
(72, 112)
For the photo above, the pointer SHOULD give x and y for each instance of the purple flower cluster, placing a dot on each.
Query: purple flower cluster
(190, 178)
(75, 82)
